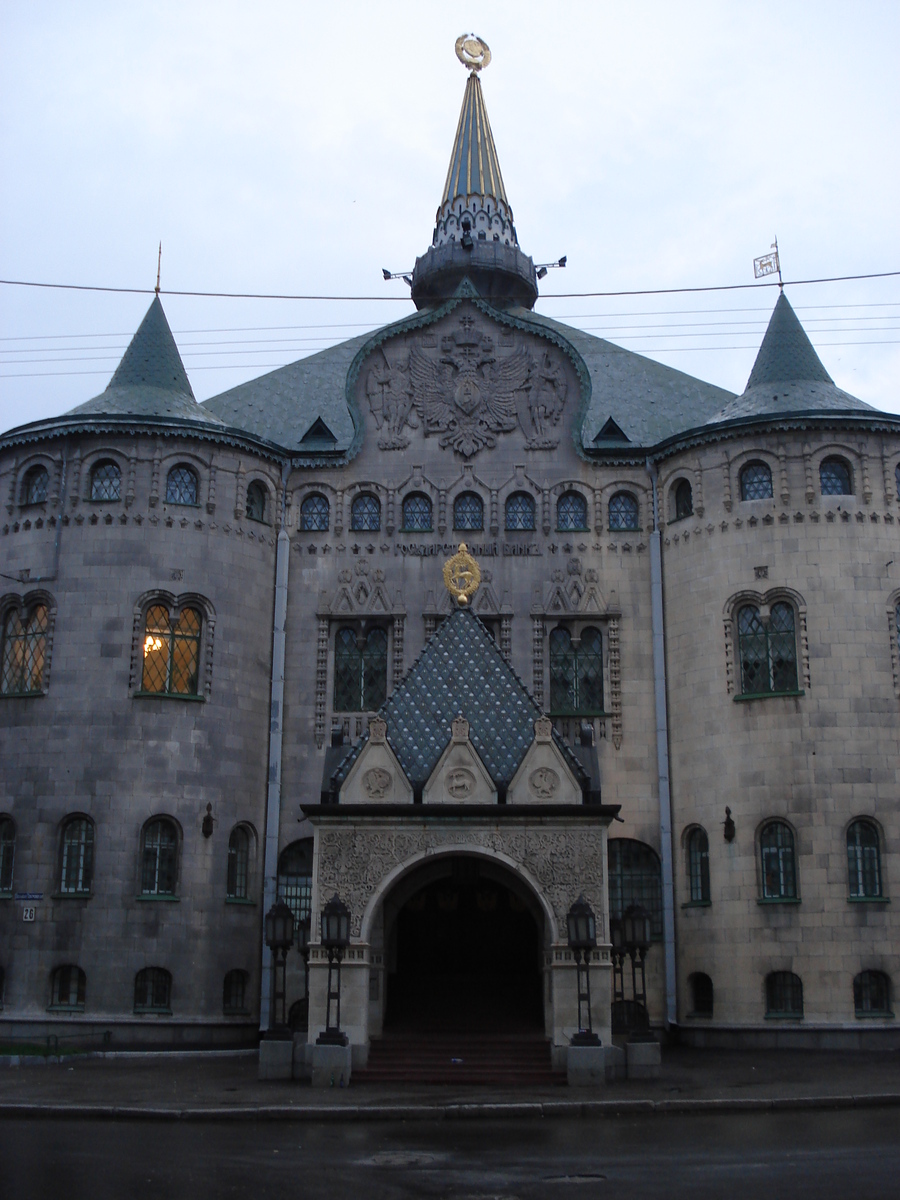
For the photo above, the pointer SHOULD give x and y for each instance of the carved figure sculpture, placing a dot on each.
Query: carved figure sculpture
(391, 402)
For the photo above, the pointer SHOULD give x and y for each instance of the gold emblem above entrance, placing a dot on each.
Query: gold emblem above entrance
(462, 575)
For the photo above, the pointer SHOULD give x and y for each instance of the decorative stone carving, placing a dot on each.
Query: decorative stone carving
(544, 776)
(544, 782)
(376, 777)
(377, 781)
(460, 776)
(460, 783)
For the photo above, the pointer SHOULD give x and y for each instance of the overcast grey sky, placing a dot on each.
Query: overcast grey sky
(299, 148)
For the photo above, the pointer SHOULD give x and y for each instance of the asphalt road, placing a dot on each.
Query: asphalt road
(776, 1156)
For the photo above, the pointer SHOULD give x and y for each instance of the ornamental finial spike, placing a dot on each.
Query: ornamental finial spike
(462, 575)
(473, 52)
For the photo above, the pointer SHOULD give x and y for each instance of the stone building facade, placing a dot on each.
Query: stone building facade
(204, 605)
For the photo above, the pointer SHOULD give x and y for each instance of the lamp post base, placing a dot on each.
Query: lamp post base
(332, 1037)
(330, 1065)
(584, 1038)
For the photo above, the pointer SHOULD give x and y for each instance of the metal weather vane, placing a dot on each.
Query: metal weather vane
(473, 52)
(768, 264)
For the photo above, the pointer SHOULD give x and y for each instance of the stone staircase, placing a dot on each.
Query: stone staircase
(498, 1060)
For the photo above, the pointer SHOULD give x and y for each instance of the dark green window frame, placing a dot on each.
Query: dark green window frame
(784, 995)
(23, 650)
(159, 857)
(864, 861)
(519, 512)
(756, 481)
(153, 991)
(571, 513)
(76, 866)
(106, 480)
(767, 650)
(576, 672)
(360, 669)
(171, 650)
(698, 865)
(635, 877)
(315, 514)
(418, 515)
(779, 871)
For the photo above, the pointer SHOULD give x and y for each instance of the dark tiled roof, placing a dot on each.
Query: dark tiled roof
(461, 670)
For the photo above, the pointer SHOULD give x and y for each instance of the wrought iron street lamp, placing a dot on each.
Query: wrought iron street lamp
(279, 937)
(636, 942)
(582, 929)
(335, 939)
(303, 939)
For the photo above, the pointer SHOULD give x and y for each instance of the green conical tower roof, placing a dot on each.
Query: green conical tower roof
(786, 352)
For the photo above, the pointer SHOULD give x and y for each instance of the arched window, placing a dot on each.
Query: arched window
(234, 994)
(238, 864)
(683, 500)
(701, 987)
(106, 481)
(182, 485)
(519, 511)
(417, 516)
(863, 860)
(468, 512)
(153, 991)
(256, 501)
(784, 995)
(159, 857)
(171, 652)
(698, 865)
(315, 513)
(67, 988)
(634, 878)
(295, 879)
(7, 854)
(571, 512)
(835, 478)
(872, 994)
(576, 672)
(756, 481)
(767, 650)
(35, 486)
(365, 514)
(76, 863)
(23, 652)
(360, 670)
(776, 848)
(623, 512)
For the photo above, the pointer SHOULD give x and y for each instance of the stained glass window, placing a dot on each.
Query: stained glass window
(417, 516)
(24, 650)
(834, 477)
(767, 649)
(784, 995)
(35, 486)
(468, 512)
(256, 501)
(365, 514)
(77, 859)
(571, 512)
(238, 863)
(576, 672)
(360, 670)
(234, 993)
(684, 500)
(756, 481)
(171, 652)
(159, 858)
(7, 854)
(152, 990)
(67, 988)
(634, 878)
(520, 511)
(776, 847)
(182, 485)
(698, 865)
(623, 511)
(872, 994)
(863, 860)
(315, 512)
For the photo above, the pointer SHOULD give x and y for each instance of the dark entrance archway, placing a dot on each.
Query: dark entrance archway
(464, 954)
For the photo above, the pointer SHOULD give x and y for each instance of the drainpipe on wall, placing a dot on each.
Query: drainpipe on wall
(276, 714)
(662, 753)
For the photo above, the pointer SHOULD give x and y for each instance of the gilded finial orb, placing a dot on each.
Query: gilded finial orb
(473, 52)
(462, 576)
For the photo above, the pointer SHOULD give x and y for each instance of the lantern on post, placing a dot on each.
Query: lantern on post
(582, 930)
(635, 935)
(279, 933)
(335, 932)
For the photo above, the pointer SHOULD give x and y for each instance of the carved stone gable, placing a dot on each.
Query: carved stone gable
(543, 776)
(460, 776)
(376, 777)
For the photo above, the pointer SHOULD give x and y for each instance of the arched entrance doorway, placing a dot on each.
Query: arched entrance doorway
(464, 951)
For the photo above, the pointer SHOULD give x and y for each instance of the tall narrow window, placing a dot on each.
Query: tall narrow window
(635, 878)
(238, 864)
(7, 854)
(571, 512)
(35, 486)
(67, 988)
(256, 501)
(519, 511)
(182, 485)
(468, 512)
(159, 858)
(776, 847)
(171, 652)
(698, 865)
(417, 516)
(863, 861)
(315, 513)
(768, 650)
(365, 514)
(701, 994)
(360, 670)
(76, 868)
(835, 478)
(872, 994)
(295, 879)
(106, 481)
(576, 672)
(24, 651)
(153, 991)
(623, 512)
(784, 995)
(683, 500)
(756, 481)
(234, 994)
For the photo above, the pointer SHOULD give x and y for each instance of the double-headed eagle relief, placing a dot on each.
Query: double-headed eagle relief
(464, 389)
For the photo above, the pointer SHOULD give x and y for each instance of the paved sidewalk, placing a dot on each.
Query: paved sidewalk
(225, 1087)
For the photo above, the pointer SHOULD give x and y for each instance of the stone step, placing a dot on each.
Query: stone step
(459, 1058)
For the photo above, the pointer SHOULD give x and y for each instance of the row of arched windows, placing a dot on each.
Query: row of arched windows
(778, 867)
(784, 994)
(152, 991)
(159, 850)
